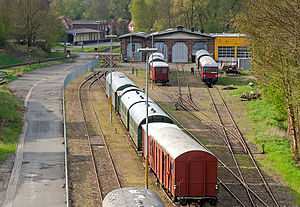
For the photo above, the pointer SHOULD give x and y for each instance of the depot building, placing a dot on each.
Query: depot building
(180, 45)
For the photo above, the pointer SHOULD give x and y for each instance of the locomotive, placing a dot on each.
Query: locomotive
(159, 69)
(185, 169)
(207, 67)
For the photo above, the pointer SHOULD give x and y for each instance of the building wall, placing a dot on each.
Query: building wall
(229, 42)
(169, 42)
(85, 37)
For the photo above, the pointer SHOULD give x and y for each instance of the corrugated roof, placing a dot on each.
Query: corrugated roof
(227, 35)
(82, 31)
(89, 21)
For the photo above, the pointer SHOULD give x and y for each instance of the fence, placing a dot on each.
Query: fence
(72, 76)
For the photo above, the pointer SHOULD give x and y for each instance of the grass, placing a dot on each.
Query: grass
(6, 59)
(266, 129)
(10, 123)
(11, 111)
(79, 49)
(52, 55)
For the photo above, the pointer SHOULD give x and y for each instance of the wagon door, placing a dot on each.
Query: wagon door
(196, 178)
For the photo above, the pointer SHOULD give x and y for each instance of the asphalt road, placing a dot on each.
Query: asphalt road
(37, 178)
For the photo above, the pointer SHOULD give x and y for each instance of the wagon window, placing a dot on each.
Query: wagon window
(164, 71)
(172, 167)
(210, 70)
(164, 158)
(150, 147)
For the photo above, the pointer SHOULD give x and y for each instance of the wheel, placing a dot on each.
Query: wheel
(183, 202)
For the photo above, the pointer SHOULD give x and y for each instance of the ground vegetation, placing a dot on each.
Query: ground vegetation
(275, 48)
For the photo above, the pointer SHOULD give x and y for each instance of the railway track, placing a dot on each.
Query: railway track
(106, 177)
(226, 129)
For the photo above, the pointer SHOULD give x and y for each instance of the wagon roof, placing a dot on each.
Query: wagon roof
(208, 61)
(160, 64)
(120, 81)
(201, 53)
(138, 111)
(115, 74)
(172, 139)
(128, 197)
(126, 90)
(156, 55)
(132, 97)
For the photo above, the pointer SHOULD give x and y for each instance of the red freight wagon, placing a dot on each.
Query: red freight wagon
(187, 170)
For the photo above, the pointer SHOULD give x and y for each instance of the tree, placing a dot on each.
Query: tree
(275, 47)
(120, 9)
(70, 8)
(97, 10)
(33, 20)
(2, 30)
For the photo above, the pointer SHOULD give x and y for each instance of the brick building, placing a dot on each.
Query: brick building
(178, 45)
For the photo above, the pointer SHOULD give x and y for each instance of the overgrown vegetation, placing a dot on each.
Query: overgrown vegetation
(274, 44)
(267, 129)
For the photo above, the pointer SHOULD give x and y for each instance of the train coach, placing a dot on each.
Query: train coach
(159, 69)
(186, 170)
(207, 67)
(133, 114)
(119, 83)
(129, 197)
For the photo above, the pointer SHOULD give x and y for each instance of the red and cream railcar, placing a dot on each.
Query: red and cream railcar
(187, 170)
(159, 69)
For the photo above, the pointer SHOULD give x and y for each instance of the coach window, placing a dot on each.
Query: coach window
(164, 71)
(172, 167)
(150, 147)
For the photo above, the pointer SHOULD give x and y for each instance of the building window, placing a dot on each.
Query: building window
(226, 52)
(243, 52)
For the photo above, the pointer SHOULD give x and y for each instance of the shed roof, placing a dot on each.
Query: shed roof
(81, 31)
(172, 139)
(89, 22)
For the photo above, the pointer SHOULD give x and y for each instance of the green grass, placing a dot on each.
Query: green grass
(6, 59)
(52, 55)
(266, 129)
(11, 111)
(10, 123)
(117, 50)
(79, 49)
(278, 149)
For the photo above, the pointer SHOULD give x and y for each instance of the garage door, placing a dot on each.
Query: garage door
(179, 53)
(162, 48)
(198, 46)
(137, 55)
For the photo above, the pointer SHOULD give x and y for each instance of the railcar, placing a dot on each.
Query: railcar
(119, 83)
(127, 101)
(137, 117)
(129, 197)
(207, 67)
(186, 170)
(159, 69)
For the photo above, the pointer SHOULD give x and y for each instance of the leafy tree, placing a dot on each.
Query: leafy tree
(120, 9)
(97, 10)
(2, 30)
(71, 8)
(275, 47)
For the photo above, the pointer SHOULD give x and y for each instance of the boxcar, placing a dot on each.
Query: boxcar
(185, 169)
(129, 197)
(127, 101)
(119, 83)
(207, 67)
(137, 117)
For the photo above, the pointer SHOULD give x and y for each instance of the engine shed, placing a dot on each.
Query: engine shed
(178, 45)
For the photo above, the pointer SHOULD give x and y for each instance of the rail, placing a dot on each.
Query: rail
(68, 79)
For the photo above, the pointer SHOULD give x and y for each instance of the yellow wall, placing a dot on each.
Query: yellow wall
(230, 41)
